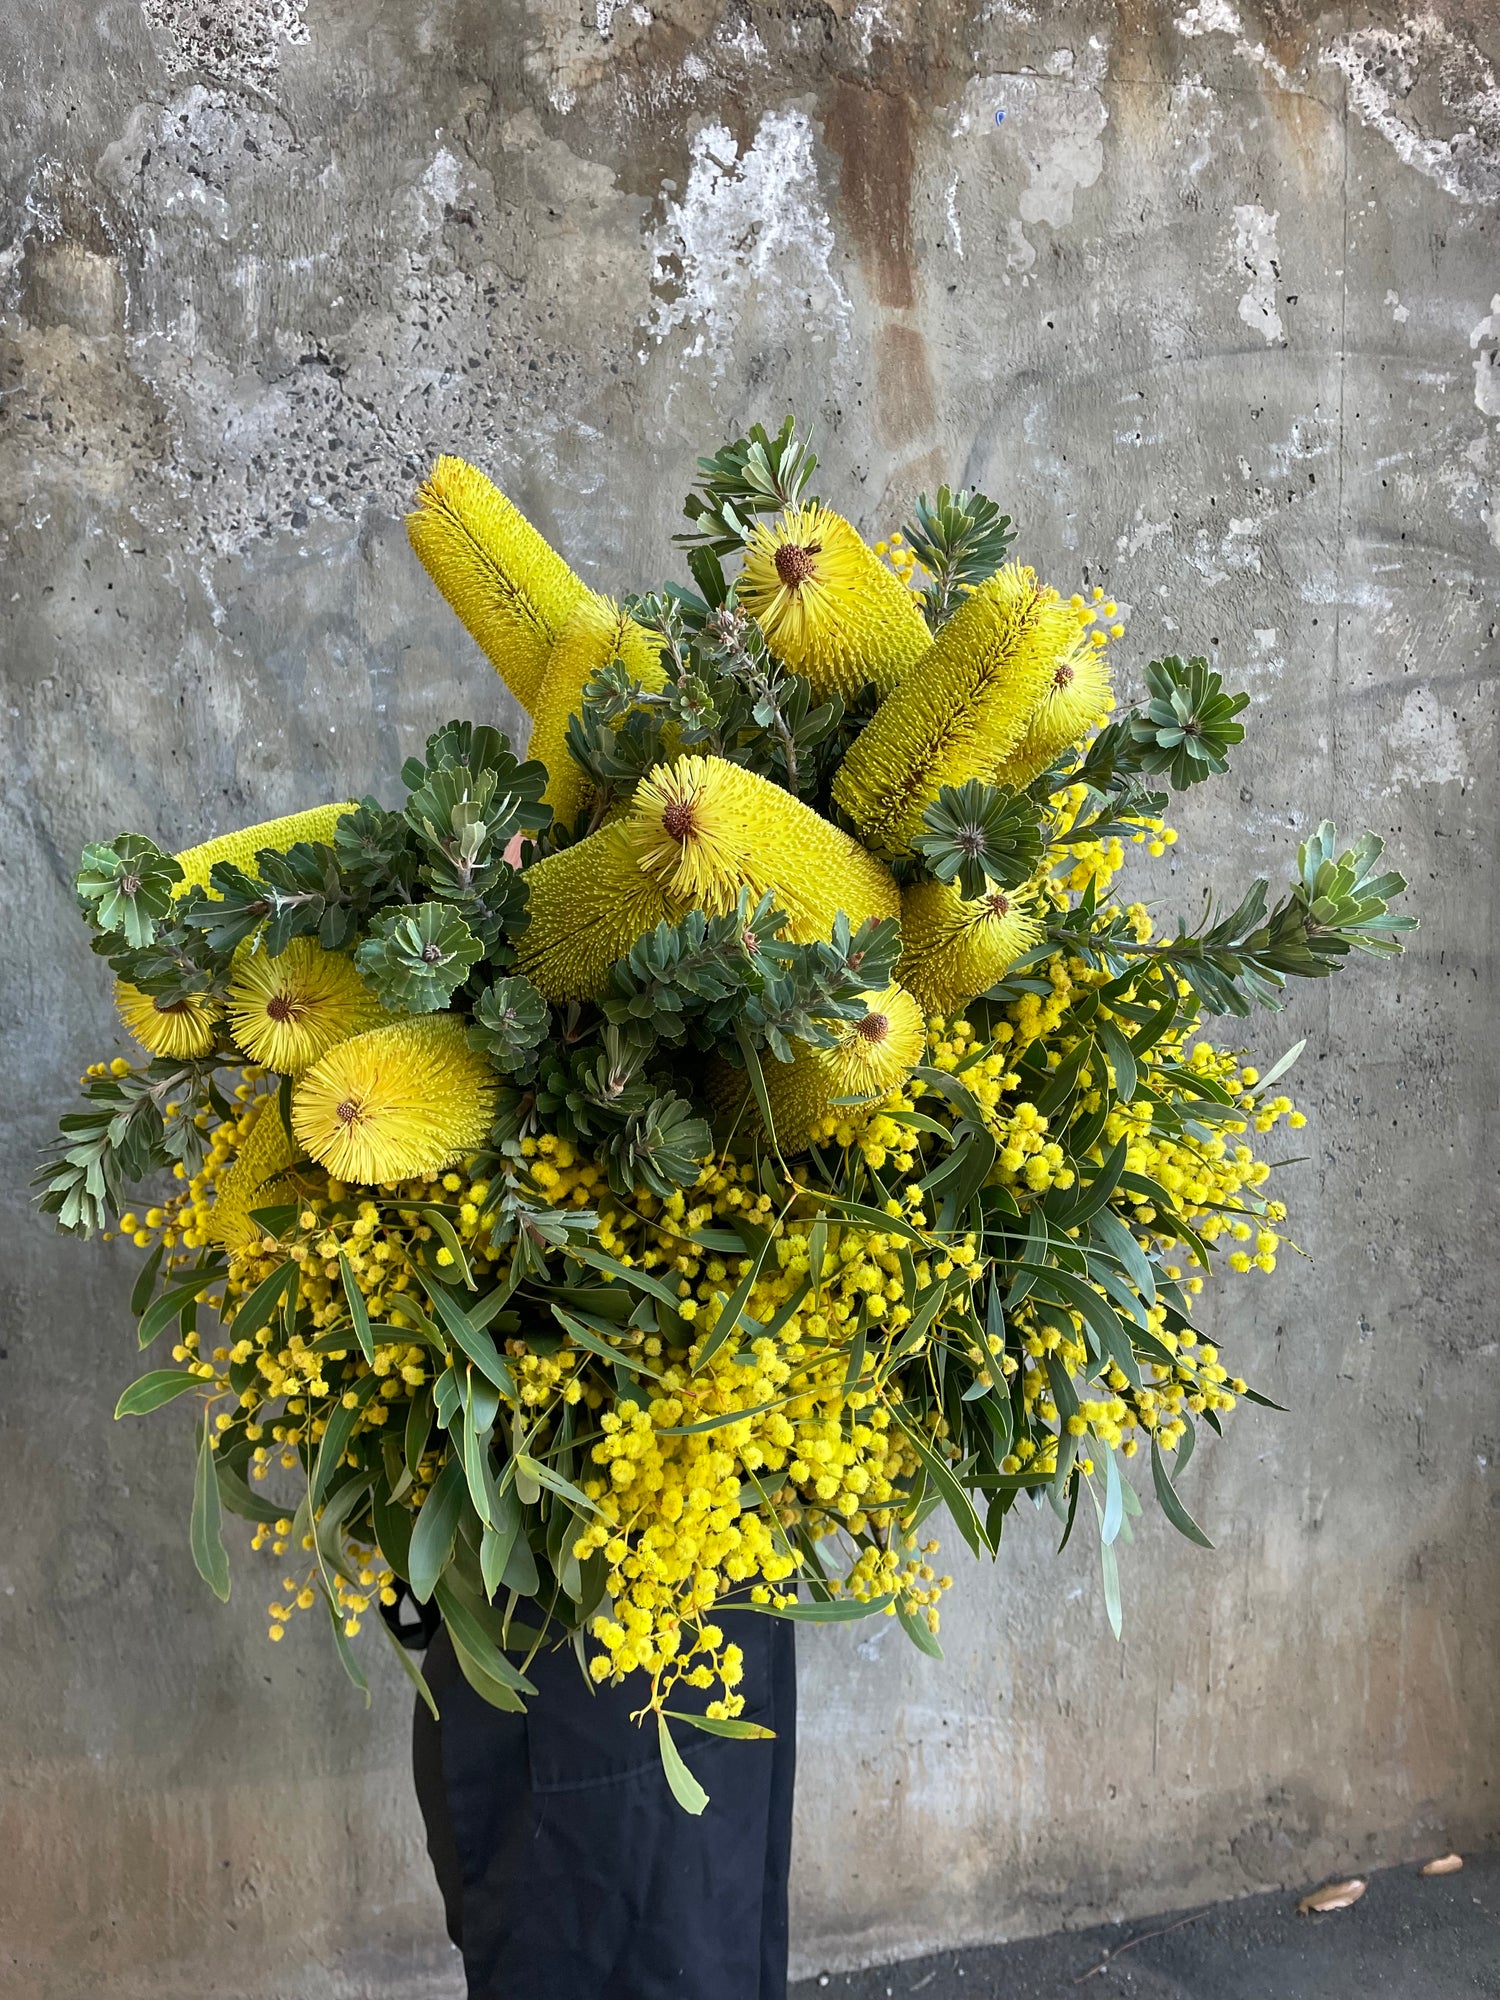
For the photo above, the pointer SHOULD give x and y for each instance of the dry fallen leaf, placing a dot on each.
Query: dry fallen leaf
(1335, 1896)
(1446, 1864)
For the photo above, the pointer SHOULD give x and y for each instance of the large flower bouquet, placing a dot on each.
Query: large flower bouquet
(659, 1174)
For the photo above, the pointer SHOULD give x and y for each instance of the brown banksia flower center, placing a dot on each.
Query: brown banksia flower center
(999, 905)
(680, 818)
(873, 1028)
(1063, 677)
(348, 1111)
(795, 564)
(282, 1007)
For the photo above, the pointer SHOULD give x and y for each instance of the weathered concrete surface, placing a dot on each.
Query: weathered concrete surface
(1214, 312)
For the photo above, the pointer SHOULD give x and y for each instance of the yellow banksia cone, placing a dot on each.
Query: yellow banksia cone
(286, 1012)
(317, 823)
(961, 711)
(829, 607)
(1076, 699)
(597, 632)
(697, 833)
(254, 1179)
(952, 949)
(177, 1028)
(871, 1058)
(400, 1101)
(512, 590)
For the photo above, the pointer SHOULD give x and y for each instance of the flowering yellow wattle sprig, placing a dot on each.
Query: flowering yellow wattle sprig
(650, 1178)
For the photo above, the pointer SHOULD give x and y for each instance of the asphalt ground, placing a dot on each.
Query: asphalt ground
(1408, 1938)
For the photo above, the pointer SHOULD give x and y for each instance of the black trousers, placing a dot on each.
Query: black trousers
(567, 1869)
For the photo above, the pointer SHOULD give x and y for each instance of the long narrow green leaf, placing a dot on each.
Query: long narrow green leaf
(638, 1280)
(335, 1439)
(1170, 1504)
(205, 1533)
(1121, 1058)
(263, 1301)
(734, 1306)
(149, 1392)
(357, 1310)
(436, 1528)
(688, 1793)
(474, 1341)
(145, 1284)
(960, 1506)
(1114, 1498)
(724, 1725)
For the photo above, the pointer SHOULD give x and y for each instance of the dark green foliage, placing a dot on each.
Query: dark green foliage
(960, 539)
(417, 959)
(126, 885)
(123, 1133)
(754, 474)
(1185, 729)
(981, 836)
(510, 1019)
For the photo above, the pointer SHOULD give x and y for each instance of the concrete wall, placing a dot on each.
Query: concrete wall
(1213, 311)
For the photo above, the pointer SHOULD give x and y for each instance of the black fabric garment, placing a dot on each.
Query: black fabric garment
(567, 1869)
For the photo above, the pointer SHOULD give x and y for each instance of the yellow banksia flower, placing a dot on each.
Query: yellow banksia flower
(829, 607)
(317, 823)
(952, 949)
(871, 1058)
(176, 1028)
(512, 590)
(1076, 699)
(697, 833)
(402, 1100)
(286, 1012)
(586, 906)
(256, 1178)
(962, 711)
(597, 632)
(705, 829)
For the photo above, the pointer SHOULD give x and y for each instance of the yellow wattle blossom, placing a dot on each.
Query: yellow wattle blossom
(962, 711)
(871, 1058)
(827, 604)
(697, 833)
(401, 1100)
(1077, 698)
(597, 631)
(285, 1012)
(511, 589)
(952, 949)
(176, 1028)
(254, 1178)
(241, 848)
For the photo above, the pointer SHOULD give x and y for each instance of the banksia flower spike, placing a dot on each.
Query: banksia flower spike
(953, 949)
(827, 604)
(697, 833)
(317, 823)
(705, 829)
(1076, 699)
(597, 632)
(254, 1179)
(962, 711)
(286, 1012)
(176, 1028)
(871, 1058)
(511, 589)
(400, 1101)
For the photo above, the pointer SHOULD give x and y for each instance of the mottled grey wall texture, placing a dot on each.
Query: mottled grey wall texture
(1214, 310)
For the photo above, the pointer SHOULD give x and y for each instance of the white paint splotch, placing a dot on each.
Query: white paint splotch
(1255, 252)
(1217, 17)
(751, 233)
(1485, 341)
(1408, 83)
(1053, 131)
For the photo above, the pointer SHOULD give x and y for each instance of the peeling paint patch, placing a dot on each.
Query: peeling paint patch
(1399, 313)
(1485, 340)
(1425, 743)
(750, 229)
(1217, 17)
(1406, 82)
(1255, 250)
(236, 41)
(1055, 125)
